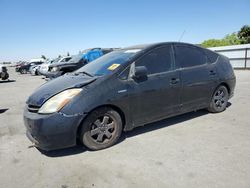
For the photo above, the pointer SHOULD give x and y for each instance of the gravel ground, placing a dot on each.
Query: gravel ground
(197, 149)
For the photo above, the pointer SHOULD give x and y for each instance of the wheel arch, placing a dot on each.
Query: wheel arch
(226, 85)
(221, 84)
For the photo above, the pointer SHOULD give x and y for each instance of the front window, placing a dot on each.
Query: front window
(107, 64)
(157, 61)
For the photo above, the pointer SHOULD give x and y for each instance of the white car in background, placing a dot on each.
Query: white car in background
(44, 68)
(34, 64)
(34, 69)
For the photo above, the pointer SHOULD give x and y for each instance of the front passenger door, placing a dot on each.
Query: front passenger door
(159, 95)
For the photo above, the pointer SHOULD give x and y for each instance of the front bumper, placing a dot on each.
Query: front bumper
(53, 131)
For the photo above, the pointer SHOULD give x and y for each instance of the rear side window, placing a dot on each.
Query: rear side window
(212, 57)
(157, 61)
(187, 56)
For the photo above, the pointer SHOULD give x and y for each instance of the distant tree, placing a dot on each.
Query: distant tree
(59, 56)
(68, 54)
(244, 34)
(211, 43)
(231, 39)
(43, 57)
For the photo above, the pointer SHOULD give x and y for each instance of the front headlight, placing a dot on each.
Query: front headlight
(57, 102)
(55, 69)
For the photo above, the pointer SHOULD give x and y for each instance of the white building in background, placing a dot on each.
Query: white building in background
(239, 55)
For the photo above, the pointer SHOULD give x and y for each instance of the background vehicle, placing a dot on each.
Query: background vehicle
(25, 68)
(34, 69)
(124, 89)
(77, 61)
(44, 68)
(3, 72)
(20, 64)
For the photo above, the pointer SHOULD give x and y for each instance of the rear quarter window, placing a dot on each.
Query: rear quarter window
(212, 56)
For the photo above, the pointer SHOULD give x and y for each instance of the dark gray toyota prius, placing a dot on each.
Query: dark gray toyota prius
(125, 89)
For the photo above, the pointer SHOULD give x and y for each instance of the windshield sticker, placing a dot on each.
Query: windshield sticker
(113, 67)
(132, 51)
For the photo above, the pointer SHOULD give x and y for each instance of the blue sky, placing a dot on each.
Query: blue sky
(30, 28)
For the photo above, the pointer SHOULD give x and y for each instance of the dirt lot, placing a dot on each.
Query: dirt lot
(197, 149)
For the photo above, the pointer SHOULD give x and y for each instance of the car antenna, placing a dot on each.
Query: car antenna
(182, 35)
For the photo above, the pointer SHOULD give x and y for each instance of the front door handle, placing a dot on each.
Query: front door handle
(174, 81)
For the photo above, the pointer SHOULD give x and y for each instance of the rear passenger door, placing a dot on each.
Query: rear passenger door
(196, 82)
(159, 95)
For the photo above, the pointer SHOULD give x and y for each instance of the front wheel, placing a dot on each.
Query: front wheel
(101, 129)
(219, 100)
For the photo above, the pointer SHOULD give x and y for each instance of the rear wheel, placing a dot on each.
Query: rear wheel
(101, 129)
(219, 100)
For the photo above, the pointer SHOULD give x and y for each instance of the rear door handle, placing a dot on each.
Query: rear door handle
(174, 81)
(212, 72)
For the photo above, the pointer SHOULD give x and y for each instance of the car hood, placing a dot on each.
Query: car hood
(55, 86)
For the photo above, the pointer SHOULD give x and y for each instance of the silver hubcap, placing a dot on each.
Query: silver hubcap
(220, 99)
(102, 130)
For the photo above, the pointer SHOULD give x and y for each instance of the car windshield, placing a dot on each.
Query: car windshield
(108, 63)
(55, 60)
(65, 59)
(76, 58)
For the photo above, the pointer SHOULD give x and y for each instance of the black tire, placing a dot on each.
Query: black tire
(23, 71)
(6, 76)
(219, 100)
(101, 129)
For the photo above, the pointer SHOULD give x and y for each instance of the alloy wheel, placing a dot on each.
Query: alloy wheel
(220, 99)
(103, 129)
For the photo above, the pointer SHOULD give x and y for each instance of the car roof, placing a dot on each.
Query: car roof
(153, 45)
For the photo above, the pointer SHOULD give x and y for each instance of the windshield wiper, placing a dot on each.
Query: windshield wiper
(86, 73)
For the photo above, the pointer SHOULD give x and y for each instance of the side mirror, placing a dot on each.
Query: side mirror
(140, 72)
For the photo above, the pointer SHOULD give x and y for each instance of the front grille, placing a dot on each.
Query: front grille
(33, 108)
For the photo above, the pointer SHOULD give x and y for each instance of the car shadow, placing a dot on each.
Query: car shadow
(137, 131)
(163, 124)
(7, 81)
(64, 152)
(2, 110)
